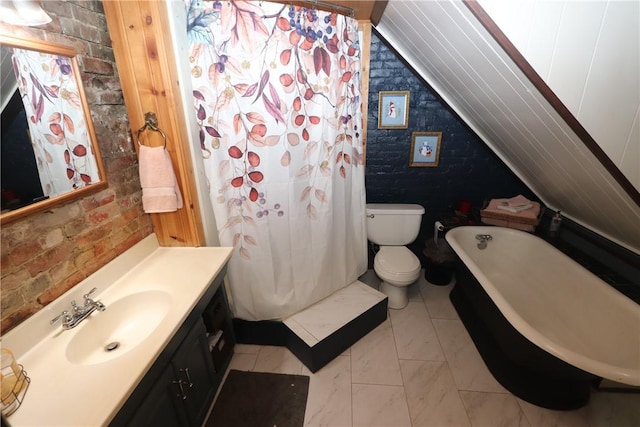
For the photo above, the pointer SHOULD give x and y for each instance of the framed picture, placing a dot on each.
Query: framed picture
(393, 109)
(425, 149)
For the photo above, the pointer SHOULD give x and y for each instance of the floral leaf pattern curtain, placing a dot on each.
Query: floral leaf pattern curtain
(276, 92)
(56, 121)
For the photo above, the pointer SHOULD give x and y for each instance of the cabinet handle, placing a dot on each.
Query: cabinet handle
(181, 394)
(186, 371)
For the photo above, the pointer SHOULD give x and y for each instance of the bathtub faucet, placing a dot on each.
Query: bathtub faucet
(482, 240)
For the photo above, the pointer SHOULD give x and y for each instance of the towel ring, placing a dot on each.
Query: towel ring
(151, 122)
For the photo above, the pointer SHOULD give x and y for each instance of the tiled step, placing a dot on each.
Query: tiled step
(323, 331)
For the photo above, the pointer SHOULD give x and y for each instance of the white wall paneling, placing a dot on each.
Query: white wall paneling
(456, 55)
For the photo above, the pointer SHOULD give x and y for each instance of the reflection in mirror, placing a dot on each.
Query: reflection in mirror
(46, 128)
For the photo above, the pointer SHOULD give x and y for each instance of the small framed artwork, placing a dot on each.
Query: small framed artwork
(393, 109)
(425, 149)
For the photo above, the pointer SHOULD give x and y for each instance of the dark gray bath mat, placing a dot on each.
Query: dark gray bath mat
(260, 399)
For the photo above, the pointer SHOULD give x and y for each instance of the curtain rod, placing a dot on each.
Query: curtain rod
(326, 5)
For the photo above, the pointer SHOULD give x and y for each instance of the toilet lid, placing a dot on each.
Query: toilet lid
(397, 260)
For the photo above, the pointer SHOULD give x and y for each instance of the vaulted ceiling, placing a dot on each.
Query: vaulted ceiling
(455, 46)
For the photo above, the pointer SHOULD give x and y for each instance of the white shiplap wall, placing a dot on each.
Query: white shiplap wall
(588, 52)
(446, 44)
(8, 83)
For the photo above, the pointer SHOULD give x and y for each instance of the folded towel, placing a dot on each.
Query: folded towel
(160, 191)
(517, 202)
(496, 208)
(515, 209)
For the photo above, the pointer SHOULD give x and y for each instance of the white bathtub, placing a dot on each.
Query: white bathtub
(553, 301)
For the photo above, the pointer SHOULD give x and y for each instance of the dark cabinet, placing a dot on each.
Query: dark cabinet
(161, 408)
(219, 331)
(182, 394)
(178, 390)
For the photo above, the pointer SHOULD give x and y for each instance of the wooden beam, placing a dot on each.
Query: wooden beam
(528, 70)
(364, 27)
(377, 11)
(143, 51)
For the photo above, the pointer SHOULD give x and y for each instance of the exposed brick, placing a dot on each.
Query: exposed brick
(36, 287)
(10, 300)
(98, 200)
(75, 227)
(89, 238)
(57, 8)
(87, 16)
(14, 280)
(97, 66)
(58, 217)
(62, 271)
(14, 318)
(52, 238)
(47, 259)
(24, 252)
(60, 288)
(5, 264)
(63, 245)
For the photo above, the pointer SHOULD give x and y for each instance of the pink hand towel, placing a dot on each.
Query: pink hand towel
(160, 191)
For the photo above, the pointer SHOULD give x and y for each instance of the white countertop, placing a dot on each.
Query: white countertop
(63, 393)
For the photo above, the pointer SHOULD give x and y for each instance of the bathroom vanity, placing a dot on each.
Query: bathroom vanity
(155, 356)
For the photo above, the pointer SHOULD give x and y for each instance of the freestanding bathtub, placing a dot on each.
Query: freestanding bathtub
(546, 327)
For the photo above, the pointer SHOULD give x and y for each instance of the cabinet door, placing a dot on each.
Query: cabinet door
(193, 365)
(163, 406)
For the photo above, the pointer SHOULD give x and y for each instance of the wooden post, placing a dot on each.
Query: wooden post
(143, 51)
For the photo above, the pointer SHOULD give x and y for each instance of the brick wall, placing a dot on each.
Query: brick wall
(467, 168)
(46, 254)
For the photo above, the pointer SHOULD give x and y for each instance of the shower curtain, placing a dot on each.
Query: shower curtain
(57, 127)
(276, 91)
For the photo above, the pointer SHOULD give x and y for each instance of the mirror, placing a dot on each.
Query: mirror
(50, 155)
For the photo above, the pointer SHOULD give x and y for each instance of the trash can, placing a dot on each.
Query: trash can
(439, 262)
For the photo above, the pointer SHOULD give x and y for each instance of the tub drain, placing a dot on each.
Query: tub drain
(112, 346)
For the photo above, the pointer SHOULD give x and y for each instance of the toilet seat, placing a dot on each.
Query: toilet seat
(397, 265)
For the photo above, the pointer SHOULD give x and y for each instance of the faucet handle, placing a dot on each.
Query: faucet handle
(75, 308)
(87, 296)
(89, 302)
(65, 316)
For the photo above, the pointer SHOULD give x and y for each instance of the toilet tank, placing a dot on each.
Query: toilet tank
(391, 224)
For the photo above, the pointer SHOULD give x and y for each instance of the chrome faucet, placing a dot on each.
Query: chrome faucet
(79, 313)
(483, 239)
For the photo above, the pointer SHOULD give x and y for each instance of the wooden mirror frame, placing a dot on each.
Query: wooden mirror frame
(56, 201)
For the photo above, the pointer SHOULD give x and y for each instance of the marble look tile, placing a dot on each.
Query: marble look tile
(301, 331)
(379, 405)
(436, 298)
(329, 400)
(468, 368)
(614, 409)
(432, 395)
(327, 316)
(374, 359)
(542, 417)
(414, 334)
(246, 348)
(243, 361)
(413, 291)
(493, 409)
(278, 360)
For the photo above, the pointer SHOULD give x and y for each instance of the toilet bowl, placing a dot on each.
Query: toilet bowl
(391, 226)
(397, 267)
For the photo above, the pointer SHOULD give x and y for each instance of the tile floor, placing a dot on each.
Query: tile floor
(420, 368)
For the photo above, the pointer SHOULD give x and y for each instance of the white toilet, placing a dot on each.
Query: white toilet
(392, 226)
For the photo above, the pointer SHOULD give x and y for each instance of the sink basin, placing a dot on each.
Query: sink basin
(106, 335)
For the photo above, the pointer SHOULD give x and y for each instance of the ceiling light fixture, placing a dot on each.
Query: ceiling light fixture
(23, 12)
